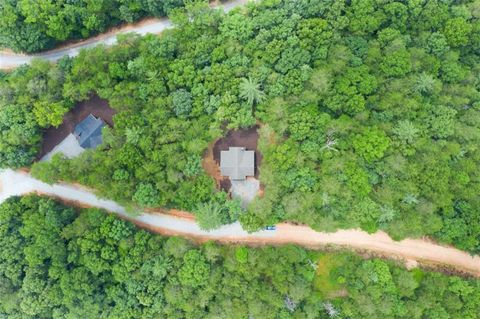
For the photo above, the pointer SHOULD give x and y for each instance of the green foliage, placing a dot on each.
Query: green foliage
(49, 114)
(437, 44)
(218, 211)
(357, 179)
(31, 98)
(306, 124)
(461, 227)
(19, 136)
(195, 270)
(457, 31)
(396, 63)
(425, 84)
(371, 144)
(241, 255)
(406, 132)
(146, 195)
(182, 103)
(441, 121)
(58, 262)
(250, 91)
(210, 215)
(368, 110)
(350, 90)
(37, 25)
(364, 18)
(193, 166)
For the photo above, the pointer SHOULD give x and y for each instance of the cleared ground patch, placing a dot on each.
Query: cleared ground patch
(247, 138)
(245, 190)
(69, 147)
(94, 105)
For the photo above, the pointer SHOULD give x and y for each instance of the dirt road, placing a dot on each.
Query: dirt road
(10, 60)
(411, 250)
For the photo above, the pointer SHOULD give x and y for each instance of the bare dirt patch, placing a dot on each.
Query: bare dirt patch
(95, 105)
(213, 169)
(172, 212)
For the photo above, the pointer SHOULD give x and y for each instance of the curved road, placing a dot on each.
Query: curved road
(413, 251)
(9, 60)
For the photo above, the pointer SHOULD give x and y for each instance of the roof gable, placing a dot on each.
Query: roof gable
(89, 132)
(237, 163)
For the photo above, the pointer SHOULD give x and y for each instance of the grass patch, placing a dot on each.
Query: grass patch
(418, 274)
(326, 282)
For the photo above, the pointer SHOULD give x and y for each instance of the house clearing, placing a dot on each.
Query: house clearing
(87, 134)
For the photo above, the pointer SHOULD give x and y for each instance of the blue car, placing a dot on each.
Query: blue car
(270, 228)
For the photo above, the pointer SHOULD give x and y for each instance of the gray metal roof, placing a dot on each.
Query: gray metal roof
(237, 163)
(89, 132)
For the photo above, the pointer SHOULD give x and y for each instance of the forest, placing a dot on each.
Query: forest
(35, 25)
(61, 262)
(369, 114)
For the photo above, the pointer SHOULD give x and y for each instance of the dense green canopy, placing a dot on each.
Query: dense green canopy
(55, 263)
(34, 25)
(369, 113)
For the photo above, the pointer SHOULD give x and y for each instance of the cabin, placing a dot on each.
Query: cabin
(237, 163)
(89, 132)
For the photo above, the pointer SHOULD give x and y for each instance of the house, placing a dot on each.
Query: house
(89, 132)
(237, 163)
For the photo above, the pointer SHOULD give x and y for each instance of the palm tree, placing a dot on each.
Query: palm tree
(250, 91)
(425, 83)
(406, 131)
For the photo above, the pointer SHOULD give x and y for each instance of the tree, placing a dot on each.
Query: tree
(250, 91)
(241, 255)
(437, 44)
(350, 90)
(406, 131)
(396, 64)
(211, 215)
(371, 144)
(49, 114)
(220, 210)
(441, 121)
(357, 179)
(457, 31)
(182, 103)
(30, 26)
(195, 270)
(424, 84)
(20, 136)
(21, 36)
(451, 71)
(146, 195)
(364, 17)
(193, 166)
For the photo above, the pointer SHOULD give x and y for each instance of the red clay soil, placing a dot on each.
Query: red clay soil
(225, 184)
(95, 105)
(173, 212)
(213, 169)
